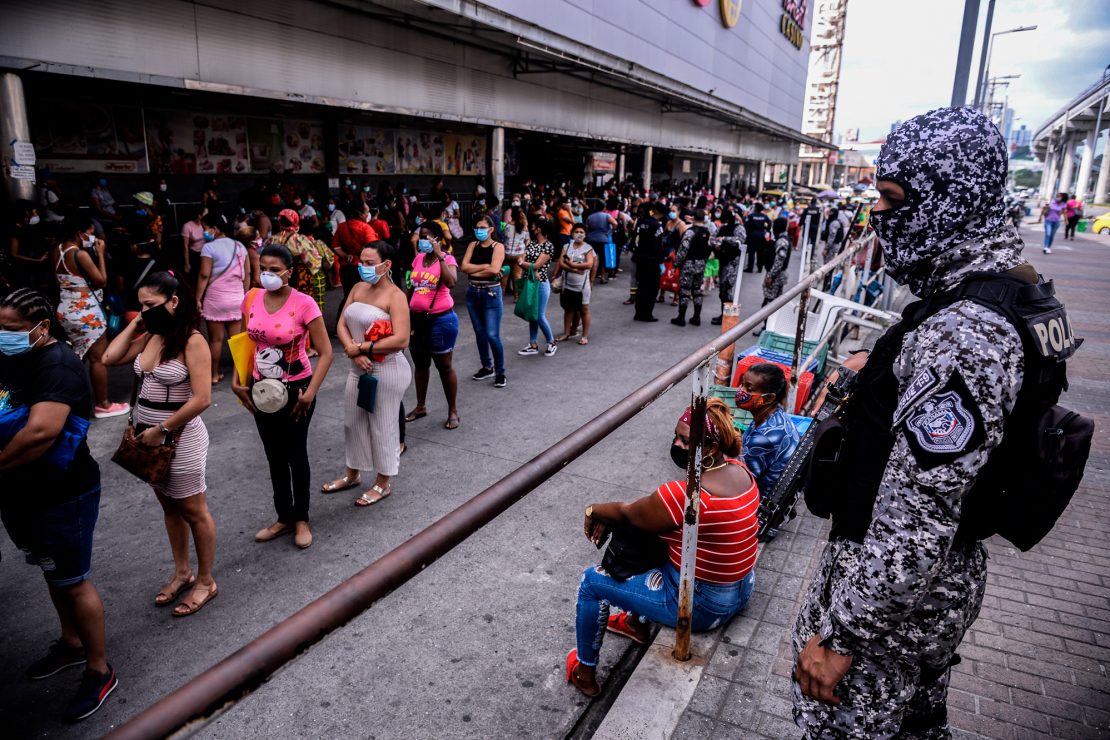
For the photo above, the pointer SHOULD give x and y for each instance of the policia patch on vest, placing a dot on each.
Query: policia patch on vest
(944, 426)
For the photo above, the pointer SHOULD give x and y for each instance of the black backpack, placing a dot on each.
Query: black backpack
(1031, 476)
(699, 244)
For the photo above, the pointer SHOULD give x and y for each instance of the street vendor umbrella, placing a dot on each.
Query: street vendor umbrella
(828, 194)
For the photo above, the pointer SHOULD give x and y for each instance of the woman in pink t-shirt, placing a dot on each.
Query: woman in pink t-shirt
(279, 321)
(435, 326)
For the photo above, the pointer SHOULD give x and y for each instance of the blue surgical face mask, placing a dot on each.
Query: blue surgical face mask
(14, 343)
(481, 234)
(672, 215)
(140, 211)
(209, 236)
(366, 188)
(369, 274)
(331, 208)
(424, 245)
(419, 220)
(102, 183)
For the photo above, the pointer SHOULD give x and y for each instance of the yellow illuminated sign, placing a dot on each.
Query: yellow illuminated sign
(730, 12)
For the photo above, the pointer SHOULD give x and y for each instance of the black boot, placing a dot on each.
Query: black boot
(695, 320)
(716, 320)
(680, 320)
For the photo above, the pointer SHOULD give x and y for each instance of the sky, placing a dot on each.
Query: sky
(899, 57)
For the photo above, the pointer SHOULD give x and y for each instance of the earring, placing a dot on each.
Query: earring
(707, 461)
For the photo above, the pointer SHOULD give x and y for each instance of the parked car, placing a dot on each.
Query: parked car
(1101, 225)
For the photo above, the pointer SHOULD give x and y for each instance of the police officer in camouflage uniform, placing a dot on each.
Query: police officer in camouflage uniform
(896, 587)
(690, 257)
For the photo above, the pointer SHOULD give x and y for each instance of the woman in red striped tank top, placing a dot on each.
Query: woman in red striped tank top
(724, 576)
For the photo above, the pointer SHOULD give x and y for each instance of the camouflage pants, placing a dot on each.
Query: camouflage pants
(689, 283)
(728, 279)
(898, 686)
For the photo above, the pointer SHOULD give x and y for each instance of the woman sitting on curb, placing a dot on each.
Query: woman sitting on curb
(725, 554)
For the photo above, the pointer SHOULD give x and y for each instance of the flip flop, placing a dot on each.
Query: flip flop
(194, 607)
(414, 415)
(186, 585)
(365, 500)
(452, 422)
(584, 341)
(341, 484)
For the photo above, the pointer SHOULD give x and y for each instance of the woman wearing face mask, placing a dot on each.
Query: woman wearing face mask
(48, 511)
(435, 326)
(578, 261)
(482, 262)
(171, 360)
(221, 286)
(79, 309)
(372, 439)
(725, 555)
(771, 439)
(538, 254)
(516, 236)
(673, 229)
(279, 321)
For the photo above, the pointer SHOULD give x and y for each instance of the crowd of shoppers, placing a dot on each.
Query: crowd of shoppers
(117, 284)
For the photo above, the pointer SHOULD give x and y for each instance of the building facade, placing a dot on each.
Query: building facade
(650, 89)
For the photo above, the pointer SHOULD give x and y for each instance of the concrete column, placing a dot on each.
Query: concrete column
(1049, 179)
(497, 161)
(14, 126)
(648, 150)
(1084, 179)
(717, 162)
(762, 175)
(620, 167)
(1067, 167)
(1103, 173)
(790, 178)
(824, 172)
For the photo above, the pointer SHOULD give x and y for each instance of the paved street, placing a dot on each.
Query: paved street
(1035, 663)
(475, 647)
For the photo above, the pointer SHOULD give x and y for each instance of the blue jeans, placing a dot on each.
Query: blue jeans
(57, 538)
(535, 326)
(1050, 229)
(652, 596)
(485, 306)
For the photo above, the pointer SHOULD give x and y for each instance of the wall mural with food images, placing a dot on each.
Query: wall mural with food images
(85, 136)
(181, 142)
(419, 152)
(267, 144)
(304, 147)
(466, 154)
(366, 150)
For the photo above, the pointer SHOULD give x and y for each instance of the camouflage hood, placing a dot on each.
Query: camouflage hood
(952, 163)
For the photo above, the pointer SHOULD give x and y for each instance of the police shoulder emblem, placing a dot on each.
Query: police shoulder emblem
(944, 426)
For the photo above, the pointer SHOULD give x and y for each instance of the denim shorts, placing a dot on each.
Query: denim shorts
(57, 538)
(444, 332)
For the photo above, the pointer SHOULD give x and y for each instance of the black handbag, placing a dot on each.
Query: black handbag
(632, 551)
(367, 392)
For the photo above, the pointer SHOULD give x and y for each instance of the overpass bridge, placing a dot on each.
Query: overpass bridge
(1057, 142)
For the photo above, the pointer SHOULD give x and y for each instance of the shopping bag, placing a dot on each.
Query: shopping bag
(528, 297)
(712, 267)
(610, 256)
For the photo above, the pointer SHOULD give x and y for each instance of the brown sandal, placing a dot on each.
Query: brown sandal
(189, 606)
(167, 596)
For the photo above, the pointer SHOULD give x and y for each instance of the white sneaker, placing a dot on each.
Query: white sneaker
(529, 350)
(551, 350)
(1048, 250)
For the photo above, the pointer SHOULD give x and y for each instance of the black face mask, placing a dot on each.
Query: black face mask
(158, 320)
(680, 456)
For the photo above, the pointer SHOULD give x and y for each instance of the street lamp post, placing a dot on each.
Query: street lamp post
(985, 72)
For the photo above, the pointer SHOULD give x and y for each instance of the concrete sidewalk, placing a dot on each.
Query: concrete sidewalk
(1035, 662)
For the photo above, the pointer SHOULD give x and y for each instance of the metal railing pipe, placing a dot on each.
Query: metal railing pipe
(219, 687)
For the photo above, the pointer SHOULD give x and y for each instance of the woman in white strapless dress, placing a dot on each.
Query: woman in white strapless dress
(373, 439)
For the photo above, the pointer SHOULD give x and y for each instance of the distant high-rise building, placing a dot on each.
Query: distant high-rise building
(1020, 136)
(819, 115)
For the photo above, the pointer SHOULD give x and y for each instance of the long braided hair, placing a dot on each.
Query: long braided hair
(34, 307)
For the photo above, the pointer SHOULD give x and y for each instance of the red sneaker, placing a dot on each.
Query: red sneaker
(619, 623)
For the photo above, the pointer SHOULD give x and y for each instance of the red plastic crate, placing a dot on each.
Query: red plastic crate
(805, 382)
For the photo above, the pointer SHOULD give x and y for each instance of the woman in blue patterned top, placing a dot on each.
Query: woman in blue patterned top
(772, 437)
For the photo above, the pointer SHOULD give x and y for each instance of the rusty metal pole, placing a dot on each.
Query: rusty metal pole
(698, 402)
(799, 341)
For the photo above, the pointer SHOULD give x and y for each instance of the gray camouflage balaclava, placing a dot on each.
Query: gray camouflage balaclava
(952, 163)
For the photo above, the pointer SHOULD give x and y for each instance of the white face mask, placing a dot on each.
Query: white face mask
(33, 220)
(271, 281)
(88, 240)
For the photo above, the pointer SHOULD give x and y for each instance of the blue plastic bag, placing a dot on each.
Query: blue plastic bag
(61, 453)
(610, 256)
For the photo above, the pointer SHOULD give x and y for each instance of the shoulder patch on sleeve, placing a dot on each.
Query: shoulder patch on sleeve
(944, 426)
(925, 381)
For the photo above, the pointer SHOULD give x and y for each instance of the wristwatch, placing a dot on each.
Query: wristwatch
(590, 511)
(162, 428)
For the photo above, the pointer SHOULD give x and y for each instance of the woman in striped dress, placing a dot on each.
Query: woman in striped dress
(172, 366)
(724, 572)
(372, 439)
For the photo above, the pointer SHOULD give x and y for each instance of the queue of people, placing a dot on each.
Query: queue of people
(257, 276)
